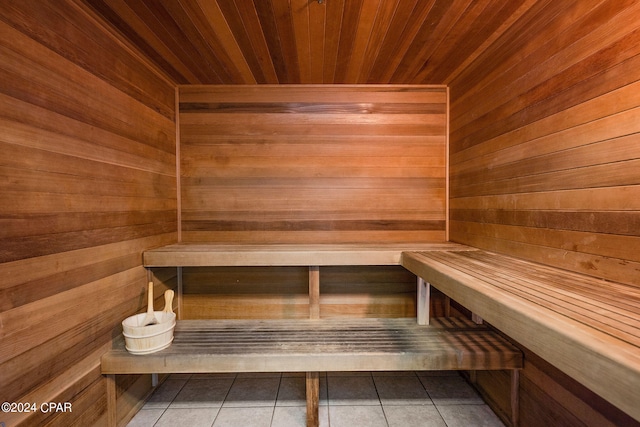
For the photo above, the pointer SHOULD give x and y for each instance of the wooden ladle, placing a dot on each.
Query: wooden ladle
(150, 318)
(168, 301)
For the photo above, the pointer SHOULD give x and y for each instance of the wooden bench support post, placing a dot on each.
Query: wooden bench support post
(424, 294)
(476, 319)
(313, 399)
(515, 397)
(314, 292)
(313, 378)
(112, 416)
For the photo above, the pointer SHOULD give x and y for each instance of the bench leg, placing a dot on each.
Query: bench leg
(515, 397)
(314, 292)
(313, 399)
(112, 416)
(424, 295)
(476, 319)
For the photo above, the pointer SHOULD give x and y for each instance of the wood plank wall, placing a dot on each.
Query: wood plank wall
(87, 182)
(313, 164)
(283, 292)
(309, 164)
(545, 137)
(545, 161)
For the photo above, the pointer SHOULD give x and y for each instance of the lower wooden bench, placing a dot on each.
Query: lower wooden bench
(321, 345)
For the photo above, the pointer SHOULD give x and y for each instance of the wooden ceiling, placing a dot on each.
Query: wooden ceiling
(305, 41)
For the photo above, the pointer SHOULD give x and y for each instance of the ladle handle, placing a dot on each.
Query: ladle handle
(168, 301)
(150, 298)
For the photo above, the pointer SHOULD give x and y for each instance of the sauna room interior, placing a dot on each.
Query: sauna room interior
(512, 127)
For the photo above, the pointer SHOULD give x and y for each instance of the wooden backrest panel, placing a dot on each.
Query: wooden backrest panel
(313, 164)
(545, 130)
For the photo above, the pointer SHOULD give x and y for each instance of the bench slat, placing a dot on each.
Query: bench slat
(321, 345)
(585, 326)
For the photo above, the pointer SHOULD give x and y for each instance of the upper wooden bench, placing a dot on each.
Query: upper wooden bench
(587, 327)
(229, 255)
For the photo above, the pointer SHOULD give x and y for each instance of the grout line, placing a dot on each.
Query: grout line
(275, 401)
(327, 419)
(172, 399)
(375, 386)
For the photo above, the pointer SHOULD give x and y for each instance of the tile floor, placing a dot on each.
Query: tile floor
(404, 399)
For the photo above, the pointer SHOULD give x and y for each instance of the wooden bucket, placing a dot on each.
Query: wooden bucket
(148, 339)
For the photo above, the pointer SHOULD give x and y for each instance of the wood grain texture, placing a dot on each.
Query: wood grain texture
(255, 255)
(300, 41)
(303, 345)
(321, 164)
(283, 292)
(544, 141)
(87, 178)
(573, 321)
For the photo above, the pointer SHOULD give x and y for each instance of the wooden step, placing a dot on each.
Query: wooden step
(321, 345)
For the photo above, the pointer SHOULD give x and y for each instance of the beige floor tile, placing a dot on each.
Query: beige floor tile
(414, 416)
(450, 390)
(469, 415)
(251, 392)
(202, 393)
(350, 390)
(351, 399)
(351, 416)
(165, 393)
(401, 390)
(146, 417)
(292, 391)
(243, 417)
(192, 417)
(296, 416)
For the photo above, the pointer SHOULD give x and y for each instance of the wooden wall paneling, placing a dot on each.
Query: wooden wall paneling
(565, 402)
(555, 187)
(283, 292)
(245, 292)
(315, 164)
(137, 28)
(512, 47)
(386, 291)
(544, 77)
(88, 183)
(543, 161)
(65, 387)
(71, 25)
